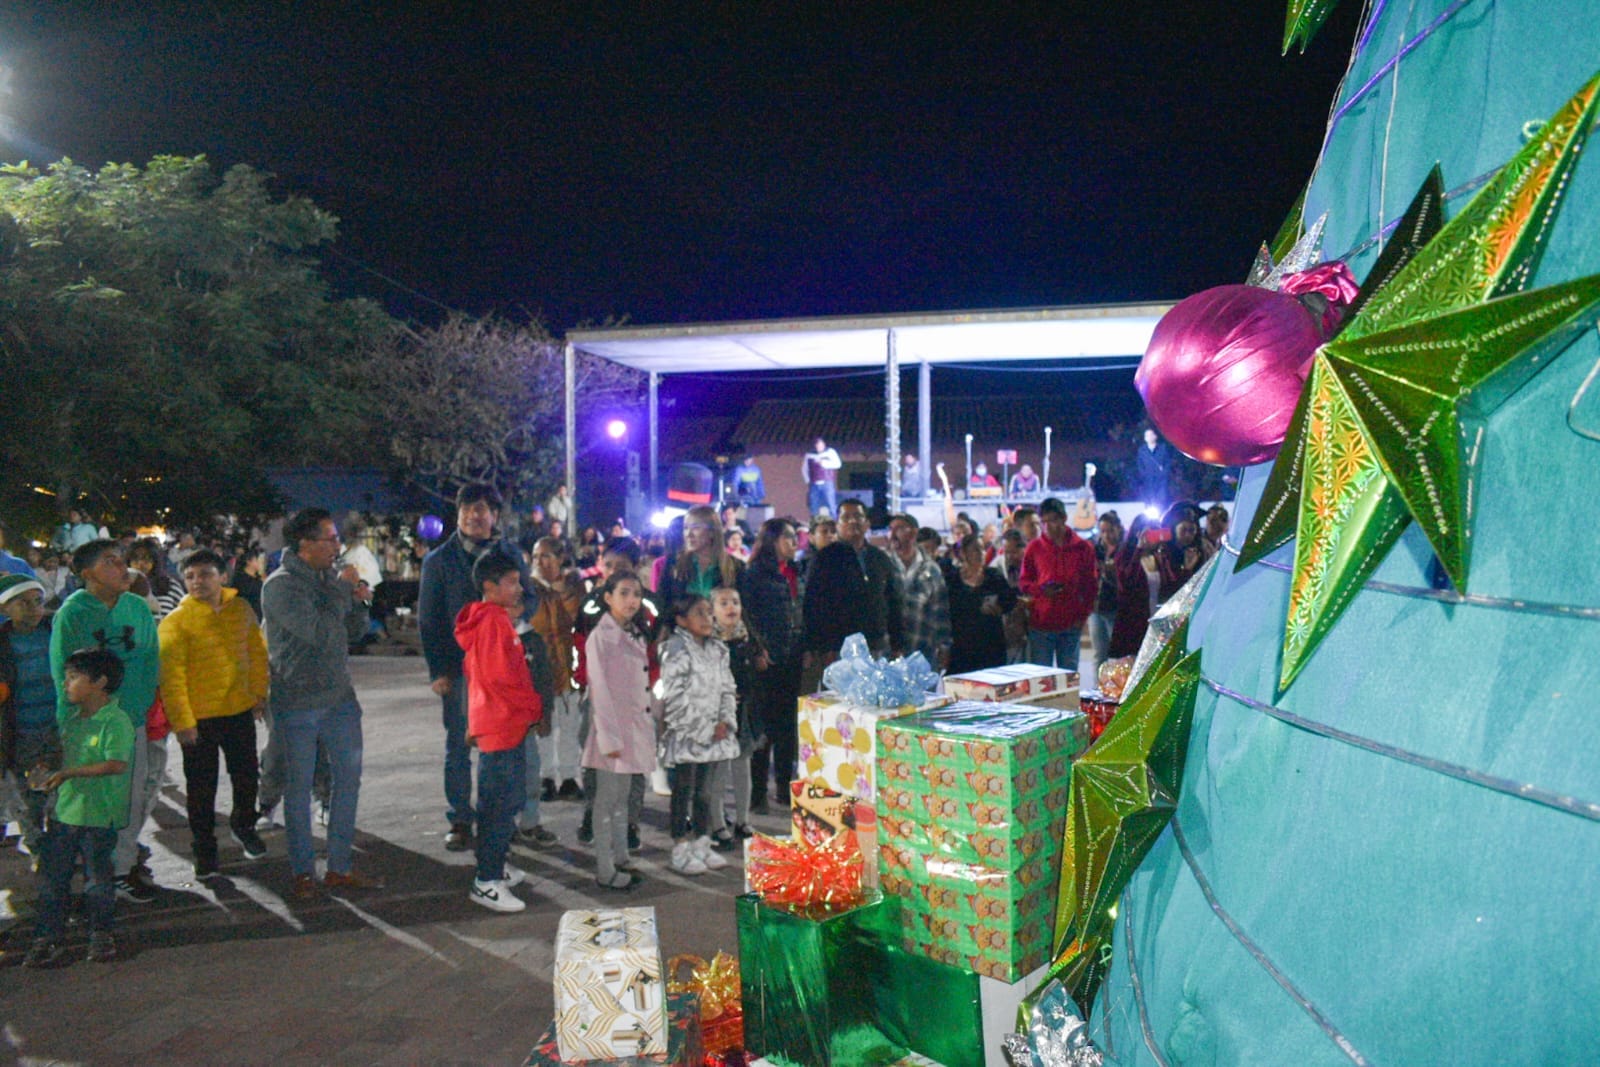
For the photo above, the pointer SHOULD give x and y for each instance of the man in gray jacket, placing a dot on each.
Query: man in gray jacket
(311, 616)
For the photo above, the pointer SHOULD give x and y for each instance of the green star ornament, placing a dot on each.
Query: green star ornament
(1303, 20)
(1123, 792)
(1388, 427)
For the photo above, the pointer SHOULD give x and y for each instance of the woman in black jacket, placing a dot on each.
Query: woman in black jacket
(770, 590)
(979, 599)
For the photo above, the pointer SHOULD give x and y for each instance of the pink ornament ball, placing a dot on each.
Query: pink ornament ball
(1224, 370)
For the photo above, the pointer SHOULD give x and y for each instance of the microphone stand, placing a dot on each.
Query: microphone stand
(1045, 477)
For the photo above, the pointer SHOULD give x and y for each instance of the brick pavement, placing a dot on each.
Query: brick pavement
(231, 973)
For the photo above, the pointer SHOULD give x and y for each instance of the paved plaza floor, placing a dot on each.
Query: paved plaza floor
(232, 972)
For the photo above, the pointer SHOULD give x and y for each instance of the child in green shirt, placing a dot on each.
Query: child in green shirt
(91, 803)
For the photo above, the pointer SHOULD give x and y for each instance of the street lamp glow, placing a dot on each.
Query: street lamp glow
(616, 429)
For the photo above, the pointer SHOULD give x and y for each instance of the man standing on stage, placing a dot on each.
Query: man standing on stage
(822, 479)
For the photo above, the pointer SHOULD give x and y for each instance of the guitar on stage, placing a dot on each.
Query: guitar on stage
(1084, 511)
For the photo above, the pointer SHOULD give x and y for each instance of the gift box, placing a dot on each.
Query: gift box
(715, 982)
(838, 741)
(1099, 711)
(845, 990)
(684, 1048)
(817, 814)
(609, 985)
(1016, 683)
(970, 818)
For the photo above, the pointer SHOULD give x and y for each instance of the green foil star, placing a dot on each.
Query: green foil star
(1304, 19)
(1123, 792)
(1388, 428)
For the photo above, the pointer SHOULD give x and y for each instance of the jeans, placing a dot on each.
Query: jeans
(530, 781)
(63, 845)
(821, 495)
(1057, 648)
(35, 745)
(274, 774)
(127, 852)
(610, 793)
(691, 799)
(339, 729)
(234, 738)
(457, 756)
(502, 781)
(561, 753)
(1100, 624)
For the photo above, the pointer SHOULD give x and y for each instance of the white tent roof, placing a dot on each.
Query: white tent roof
(1093, 331)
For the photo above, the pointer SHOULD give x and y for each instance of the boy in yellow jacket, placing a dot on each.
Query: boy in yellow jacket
(214, 685)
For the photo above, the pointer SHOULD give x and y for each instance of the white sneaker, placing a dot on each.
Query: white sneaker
(496, 896)
(268, 820)
(513, 876)
(685, 861)
(708, 855)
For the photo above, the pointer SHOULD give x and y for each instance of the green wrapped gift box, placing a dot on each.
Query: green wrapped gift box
(971, 804)
(843, 990)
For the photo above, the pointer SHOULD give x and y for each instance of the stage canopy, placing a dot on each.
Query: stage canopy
(1084, 332)
(1095, 331)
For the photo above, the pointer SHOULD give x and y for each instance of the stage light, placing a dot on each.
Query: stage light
(616, 429)
(663, 518)
(1152, 513)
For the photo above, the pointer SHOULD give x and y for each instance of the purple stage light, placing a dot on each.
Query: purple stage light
(616, 429)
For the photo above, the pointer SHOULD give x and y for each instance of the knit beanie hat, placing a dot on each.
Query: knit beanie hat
(14, 585)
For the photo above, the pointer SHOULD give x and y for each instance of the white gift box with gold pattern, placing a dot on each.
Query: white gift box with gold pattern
(609, 985)
(838, 741)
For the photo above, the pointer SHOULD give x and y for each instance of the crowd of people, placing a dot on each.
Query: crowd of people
(564, 671)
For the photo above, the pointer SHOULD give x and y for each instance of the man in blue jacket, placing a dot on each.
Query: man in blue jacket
(446, 588)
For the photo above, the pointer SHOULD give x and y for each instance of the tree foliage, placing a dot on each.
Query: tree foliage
(481, 400)
(166, 335)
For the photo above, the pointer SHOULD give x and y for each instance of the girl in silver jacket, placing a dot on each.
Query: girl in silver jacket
(699, 729)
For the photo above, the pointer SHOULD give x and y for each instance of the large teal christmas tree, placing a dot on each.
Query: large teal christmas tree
(1385, 846)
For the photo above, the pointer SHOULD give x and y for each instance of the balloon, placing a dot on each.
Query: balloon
(430, 527)
(1224, 370)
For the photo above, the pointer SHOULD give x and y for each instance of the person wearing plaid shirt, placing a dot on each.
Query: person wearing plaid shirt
(925, 602)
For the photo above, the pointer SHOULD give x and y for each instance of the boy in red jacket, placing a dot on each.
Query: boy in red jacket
(502, 705)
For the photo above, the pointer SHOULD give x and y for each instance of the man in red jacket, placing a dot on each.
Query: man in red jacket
(1060, 576)
(502, 705)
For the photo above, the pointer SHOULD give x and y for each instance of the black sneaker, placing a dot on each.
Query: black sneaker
(133, 888)
(547, 790)
(102, 947)
(570, 790)
(633, 839)
(250, 841)
(46, 954)
(205, 864)
(538, 837)
(459, 839)
(586, 831)
(724, 841)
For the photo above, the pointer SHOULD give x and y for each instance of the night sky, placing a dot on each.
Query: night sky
(679, 163)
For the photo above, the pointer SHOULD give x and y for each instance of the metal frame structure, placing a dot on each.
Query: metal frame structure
(1081, 332)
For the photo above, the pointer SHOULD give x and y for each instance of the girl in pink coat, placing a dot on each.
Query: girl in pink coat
(622, 732)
